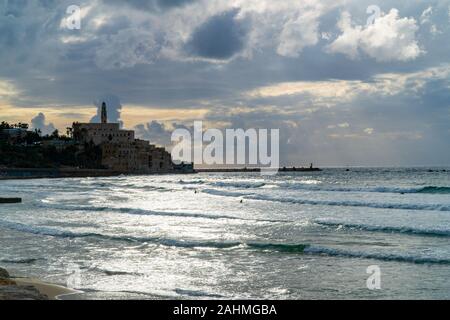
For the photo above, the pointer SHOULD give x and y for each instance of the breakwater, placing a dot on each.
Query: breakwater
(38, 173)
(284, 169)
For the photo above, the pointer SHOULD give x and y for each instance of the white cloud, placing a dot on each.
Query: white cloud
(389, 38)
(331, 92)
(425, 17)
(38, 122)
(343, 125)
(369, 131)
(299, 32)
(434, 30)
(325, 35)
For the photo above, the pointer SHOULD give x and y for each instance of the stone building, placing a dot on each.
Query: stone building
(120, 150)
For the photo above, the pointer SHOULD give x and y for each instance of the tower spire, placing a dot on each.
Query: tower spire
(104, 114)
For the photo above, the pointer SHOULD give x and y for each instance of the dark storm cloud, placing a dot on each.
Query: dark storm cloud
(154, 132)
(150, 5)
(164, 58)
(78, 78)
(220, 37)
(173, 3)
(158, 133)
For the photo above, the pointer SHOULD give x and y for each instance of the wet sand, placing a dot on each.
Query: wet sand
(52, 291)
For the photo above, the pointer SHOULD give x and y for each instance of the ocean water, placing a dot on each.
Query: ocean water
(234, 235)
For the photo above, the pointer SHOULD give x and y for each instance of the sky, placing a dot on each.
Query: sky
(348, 83)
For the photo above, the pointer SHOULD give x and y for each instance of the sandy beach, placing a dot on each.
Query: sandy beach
(52, 291)
(12, 288)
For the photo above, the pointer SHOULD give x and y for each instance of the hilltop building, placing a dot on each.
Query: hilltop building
(121, 151)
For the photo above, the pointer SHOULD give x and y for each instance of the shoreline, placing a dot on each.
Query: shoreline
(230, 170)
(55, 173)
(51, 290)
(22, 288)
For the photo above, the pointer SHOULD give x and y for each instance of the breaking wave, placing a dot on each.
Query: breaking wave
(161, 241)
(223, 193)
(401, 190)
(116, 272)
(387, 229)
(136, 211)
(376, 256)
(278, 247)
(21, 261)
(349, 203)
(435, 190)
(195, 293)
(377, 205)
(314, 187)
(185, 182)
(240, 185)
(266, 247)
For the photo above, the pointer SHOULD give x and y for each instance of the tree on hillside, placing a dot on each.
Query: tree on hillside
(4, 125)
(55, 134)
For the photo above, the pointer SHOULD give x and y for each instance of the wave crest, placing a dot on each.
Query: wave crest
(144, 212)
(21, 261)
(376, 256)
(387, 229)
(270, 247)
(349, 203)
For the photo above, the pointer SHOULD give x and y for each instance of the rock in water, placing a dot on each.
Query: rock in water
(20, 293)
(10, 200)
(4, 274)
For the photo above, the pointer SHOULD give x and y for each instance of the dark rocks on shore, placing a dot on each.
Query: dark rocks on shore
(9, 290)
(4, 279)
(14, 292)
(4, 274)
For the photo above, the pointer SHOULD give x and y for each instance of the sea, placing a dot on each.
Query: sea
(356, 233)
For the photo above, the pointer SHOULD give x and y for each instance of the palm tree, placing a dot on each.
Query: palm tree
(55, 134)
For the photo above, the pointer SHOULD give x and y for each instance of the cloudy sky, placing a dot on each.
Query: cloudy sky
(345, 85)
